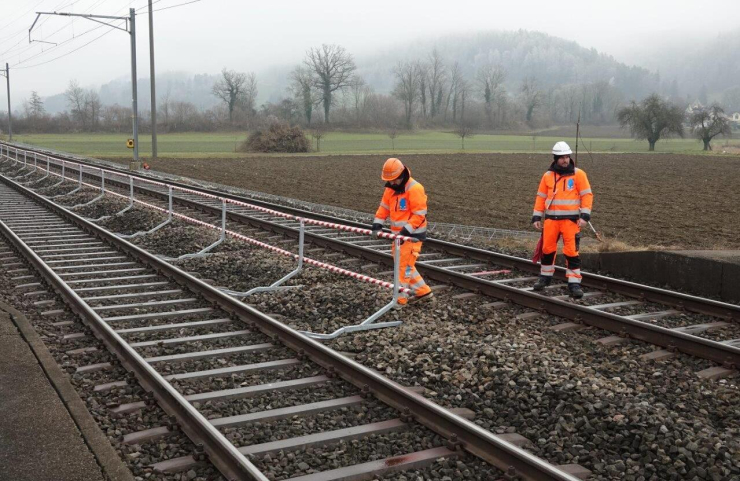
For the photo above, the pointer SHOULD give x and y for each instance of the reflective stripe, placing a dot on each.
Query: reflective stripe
(585, 211)
(537, 212)
(546, 273)
(548, 268)
(410, 185)
(378, 220)
(385, 206)
(419, 212)
(584, 192)
(418, 285)
(544, 196)
(398, 223)
(565, 202)
(409, 227)
(563, 212)
(420, 230)
(573, 275)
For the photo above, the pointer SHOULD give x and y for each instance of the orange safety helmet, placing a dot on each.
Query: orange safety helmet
(392, 169)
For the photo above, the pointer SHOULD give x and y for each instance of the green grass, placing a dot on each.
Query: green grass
(224, 144)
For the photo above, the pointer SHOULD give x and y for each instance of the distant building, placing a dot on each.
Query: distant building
(694, 107)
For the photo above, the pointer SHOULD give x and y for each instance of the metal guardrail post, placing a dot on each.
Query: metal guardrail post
(369, 323)
(102, 192)
(155, 228)
(277, 285)
(206, 250)
(45, 176)
(125, 209)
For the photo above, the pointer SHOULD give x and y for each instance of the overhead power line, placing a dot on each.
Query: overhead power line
(64, 54)
(178, 5)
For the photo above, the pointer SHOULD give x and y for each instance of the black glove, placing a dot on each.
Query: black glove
(536, 218)
(405, 232)
(376, 228)
(586, 217)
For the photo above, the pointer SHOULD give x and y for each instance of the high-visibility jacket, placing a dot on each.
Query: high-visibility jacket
(563, 196)
(406, 209)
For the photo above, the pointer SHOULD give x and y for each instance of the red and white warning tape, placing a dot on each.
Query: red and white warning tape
(242, 237)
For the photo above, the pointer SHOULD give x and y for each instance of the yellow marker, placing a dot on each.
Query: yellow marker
(130, 143)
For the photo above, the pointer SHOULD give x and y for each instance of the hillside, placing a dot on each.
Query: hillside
(551, 60)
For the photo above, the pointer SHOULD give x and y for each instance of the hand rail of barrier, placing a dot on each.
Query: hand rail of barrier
(236, 235)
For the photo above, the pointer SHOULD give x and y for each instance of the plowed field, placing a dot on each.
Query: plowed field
(668, 200)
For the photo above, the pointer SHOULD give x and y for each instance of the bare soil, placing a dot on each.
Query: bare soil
(650, 200)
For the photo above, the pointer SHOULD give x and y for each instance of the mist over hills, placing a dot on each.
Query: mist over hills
(713, 67)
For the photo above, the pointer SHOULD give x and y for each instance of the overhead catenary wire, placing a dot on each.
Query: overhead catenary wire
(178, 5)
(67, 53)
(24, 30)
(21, 62)
(64, 42)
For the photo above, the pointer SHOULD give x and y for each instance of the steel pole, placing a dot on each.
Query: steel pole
(134, 100)
(10, 124)
(152, 82)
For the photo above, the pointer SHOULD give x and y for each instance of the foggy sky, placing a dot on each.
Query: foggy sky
(206, 36)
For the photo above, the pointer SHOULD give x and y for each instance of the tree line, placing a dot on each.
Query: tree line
(327, 91)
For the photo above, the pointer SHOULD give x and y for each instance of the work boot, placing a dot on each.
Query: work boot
(541, 283)
(575, 290)
(397, 306)
(426, 297)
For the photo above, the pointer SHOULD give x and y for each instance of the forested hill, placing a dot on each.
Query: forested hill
(708, 69)
(550, 60)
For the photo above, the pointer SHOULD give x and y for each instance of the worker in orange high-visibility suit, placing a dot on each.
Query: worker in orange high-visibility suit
(565, 199)
(405, 201)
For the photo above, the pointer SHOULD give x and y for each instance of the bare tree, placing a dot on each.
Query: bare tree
(392, 134)
(453, 93)
(36, 105)
(436, 75)
(490, 79)
(407, 88)
(231, 89)
(164, 108)
(463, 130)
(249, 99)
(652, 119)
(318, 132)
(359, 94)
(709, 123)
(302, 87)
(75, 96)
(463, 90)
(93, 106)
(332, 68)
(531, 96)
(423, 70)
(34, 109)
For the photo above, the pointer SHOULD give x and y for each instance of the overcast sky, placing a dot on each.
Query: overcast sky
(207, 35)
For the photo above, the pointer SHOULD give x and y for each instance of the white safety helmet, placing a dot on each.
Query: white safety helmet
(561, 148)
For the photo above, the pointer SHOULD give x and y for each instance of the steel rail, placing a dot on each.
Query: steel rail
(461, 433)
(222, 453)
(631, 289)
(724, 354)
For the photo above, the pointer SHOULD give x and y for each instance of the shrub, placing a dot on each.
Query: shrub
(279, 137)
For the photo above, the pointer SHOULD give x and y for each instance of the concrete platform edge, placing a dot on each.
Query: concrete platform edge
(700, 275)
(110, 463)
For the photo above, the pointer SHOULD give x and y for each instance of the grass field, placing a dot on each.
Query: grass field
(225, 144)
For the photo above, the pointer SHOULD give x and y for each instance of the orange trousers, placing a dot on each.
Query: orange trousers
(408, 275)
(552, 230)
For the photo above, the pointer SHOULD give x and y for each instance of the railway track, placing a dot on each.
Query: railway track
(674, 321)
(161, 322)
